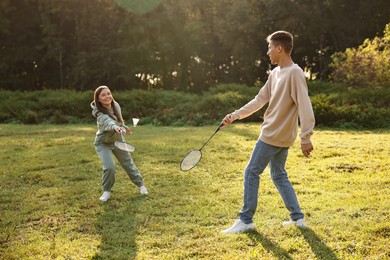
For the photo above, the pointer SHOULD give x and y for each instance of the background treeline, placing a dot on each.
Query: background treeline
(334, 106)
(182, 45)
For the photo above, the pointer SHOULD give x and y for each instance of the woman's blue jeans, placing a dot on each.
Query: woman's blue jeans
(262, 155)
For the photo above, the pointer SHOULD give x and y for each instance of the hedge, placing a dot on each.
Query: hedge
(334, 106)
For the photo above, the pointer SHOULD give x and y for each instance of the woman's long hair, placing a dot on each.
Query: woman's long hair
(103, 109)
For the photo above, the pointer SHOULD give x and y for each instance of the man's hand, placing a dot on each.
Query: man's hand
(307, 149)
(227, 120)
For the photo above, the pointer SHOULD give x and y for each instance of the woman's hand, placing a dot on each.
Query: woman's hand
(118, 129)
(128, 131)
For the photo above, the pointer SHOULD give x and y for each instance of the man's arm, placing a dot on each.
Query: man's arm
(301, 98)
(249, 108)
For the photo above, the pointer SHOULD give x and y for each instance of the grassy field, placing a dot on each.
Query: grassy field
(50, 184)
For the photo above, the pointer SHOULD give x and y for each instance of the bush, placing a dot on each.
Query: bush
(334, 105)
(365, 66)
(338, 106)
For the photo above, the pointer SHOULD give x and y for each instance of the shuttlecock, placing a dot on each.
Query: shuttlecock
(135, 121)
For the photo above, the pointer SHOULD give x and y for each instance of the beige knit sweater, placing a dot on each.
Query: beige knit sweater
(287, 96)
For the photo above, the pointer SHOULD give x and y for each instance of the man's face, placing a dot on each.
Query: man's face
(274, 52)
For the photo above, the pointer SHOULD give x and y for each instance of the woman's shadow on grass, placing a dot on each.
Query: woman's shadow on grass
(319, 248)
(118, 227)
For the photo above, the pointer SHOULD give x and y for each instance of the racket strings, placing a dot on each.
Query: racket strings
(124, 146)
(190, 160)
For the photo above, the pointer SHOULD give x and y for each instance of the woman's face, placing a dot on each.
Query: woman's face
(105, 98)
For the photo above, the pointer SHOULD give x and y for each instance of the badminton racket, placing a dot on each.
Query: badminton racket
(123, 145)
(192, 158)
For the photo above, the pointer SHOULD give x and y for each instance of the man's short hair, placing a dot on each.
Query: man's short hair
(283, 38)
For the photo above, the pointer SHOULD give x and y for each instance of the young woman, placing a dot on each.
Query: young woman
(110, 124)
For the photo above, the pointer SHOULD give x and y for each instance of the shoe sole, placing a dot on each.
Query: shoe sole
(244, 231)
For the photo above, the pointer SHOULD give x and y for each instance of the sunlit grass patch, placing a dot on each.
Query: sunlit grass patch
(50, 182)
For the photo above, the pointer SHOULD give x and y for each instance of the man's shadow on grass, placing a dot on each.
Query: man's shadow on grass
(270, 246)
(319, 248)
(118, 227)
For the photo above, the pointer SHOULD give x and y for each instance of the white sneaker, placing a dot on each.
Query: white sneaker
(143, 190)
(105, 196)
(239, 227)
(299, 223)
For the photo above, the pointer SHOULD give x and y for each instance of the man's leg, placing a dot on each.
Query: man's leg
(261, 156)
(283, 184)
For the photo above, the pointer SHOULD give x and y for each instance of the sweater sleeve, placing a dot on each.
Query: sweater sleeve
(299, 93)
(255, 104)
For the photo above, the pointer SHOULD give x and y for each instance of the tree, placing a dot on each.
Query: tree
(365, 66)
(20, 44)
(172, 44)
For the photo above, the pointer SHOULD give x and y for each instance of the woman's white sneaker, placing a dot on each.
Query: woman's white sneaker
(105, 196)
(299, 223)
(143, 190)
(239, 227)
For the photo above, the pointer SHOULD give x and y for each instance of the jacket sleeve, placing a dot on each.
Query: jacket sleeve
(104, 121)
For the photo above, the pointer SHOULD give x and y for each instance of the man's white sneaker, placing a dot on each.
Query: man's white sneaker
(105, 196)
(299, 223)
(238, 227)
(143, 190)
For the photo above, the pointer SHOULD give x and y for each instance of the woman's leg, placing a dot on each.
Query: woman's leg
(108, 176)
(128, 165)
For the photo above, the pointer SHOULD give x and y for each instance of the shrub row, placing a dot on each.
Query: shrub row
(334, 106)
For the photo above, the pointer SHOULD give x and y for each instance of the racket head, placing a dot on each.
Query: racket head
(124, 146)
(190, 160)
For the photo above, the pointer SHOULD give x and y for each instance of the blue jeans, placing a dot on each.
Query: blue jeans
(262, 155)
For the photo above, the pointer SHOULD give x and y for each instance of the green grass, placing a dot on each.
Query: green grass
(50, 185)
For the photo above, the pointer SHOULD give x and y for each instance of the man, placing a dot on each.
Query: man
(287, 96)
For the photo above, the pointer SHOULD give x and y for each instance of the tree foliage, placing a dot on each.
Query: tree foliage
(365, 66)
(172, 44)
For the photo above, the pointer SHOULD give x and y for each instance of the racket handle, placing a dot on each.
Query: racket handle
(219, 127)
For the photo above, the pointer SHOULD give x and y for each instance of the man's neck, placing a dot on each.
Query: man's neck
(287, 61)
